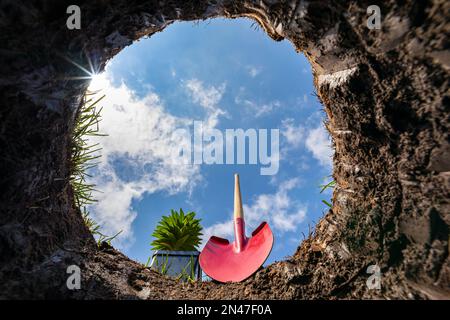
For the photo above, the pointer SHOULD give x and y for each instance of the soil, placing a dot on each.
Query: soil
(386, 95)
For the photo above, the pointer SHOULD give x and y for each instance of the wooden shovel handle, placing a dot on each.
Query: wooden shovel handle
(238, 211)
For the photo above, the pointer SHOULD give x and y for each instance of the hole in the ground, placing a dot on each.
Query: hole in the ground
(221, 75)
(388, 224)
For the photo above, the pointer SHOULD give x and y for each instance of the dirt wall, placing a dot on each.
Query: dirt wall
(386, 96)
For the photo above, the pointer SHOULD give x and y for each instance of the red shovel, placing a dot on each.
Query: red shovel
(225, 261)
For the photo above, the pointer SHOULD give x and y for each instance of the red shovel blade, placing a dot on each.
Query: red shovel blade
(224, 261)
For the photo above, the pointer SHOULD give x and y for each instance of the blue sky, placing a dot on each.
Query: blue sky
(228, 75)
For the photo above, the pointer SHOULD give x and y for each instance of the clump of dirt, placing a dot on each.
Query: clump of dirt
(385, 92)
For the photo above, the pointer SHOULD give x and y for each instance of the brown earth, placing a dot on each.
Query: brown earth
(387, 100)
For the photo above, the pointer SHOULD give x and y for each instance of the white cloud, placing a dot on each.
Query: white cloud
(255, 109)
(253, 71)
(316, 140)
(140, 139)
(319, 143)
(293, 134)
(207, 97)
(283, 213)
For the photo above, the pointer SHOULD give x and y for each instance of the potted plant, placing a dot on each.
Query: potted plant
(177, 237)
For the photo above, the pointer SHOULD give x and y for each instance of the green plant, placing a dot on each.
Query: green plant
(82, 153)
(82, 159)
(177, 232)
(95, 228)
(329, 185)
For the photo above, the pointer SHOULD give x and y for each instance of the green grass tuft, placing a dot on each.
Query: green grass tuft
(329, 185)
(83, 158)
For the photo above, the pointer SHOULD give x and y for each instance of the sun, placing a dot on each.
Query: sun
(99, 82)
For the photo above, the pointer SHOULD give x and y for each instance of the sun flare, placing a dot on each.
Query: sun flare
(99, 82)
